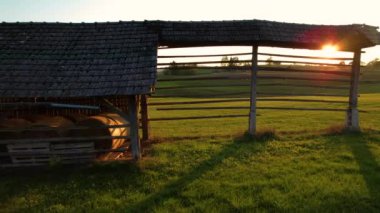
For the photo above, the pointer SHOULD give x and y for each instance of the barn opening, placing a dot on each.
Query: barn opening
(208, 79)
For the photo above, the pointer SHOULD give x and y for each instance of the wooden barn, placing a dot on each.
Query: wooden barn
(54, 76)
(72, 91)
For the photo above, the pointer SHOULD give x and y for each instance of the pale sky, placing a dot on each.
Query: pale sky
(297, 11)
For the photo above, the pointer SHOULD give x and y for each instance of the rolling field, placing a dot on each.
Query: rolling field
(303, 164)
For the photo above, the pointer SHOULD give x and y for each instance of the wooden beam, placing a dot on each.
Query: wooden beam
(60, 139)
(252, 111)
(261, 61)
(134, 127)
(44, 128)
(29, 105)
(197, 117)
(196, 56)
(300, 94)
(243, 100)
(303, 79)
(245, 107)
(199, 102)
(114, 109)
(299, 70)
(242, 78)
(259, 85)
(305, 57)
(200, 78)
(352, 117)
(67, 152)
(262, 94)
(264, 54)
(144, 117)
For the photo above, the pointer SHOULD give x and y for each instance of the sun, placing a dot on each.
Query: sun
(330, 48)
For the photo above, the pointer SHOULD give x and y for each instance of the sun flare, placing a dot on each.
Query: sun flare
(330, 48)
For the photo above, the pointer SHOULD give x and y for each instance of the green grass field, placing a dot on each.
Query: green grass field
(210, 166)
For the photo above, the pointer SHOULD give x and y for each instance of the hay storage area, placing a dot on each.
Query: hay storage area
(30, 129)
(97, 126)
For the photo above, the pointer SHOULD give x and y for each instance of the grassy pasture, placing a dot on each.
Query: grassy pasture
(210, 166)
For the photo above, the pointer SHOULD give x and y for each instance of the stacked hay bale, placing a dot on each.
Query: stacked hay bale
(44, 127)
(41, 126)
(97, 126)
(35, 127)
(9, 130)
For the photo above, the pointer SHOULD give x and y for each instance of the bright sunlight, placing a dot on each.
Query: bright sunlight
(330, 48)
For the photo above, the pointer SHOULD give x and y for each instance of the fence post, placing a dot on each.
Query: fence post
(352, 117)
(134, 127)
(144, 117)
(252, 112)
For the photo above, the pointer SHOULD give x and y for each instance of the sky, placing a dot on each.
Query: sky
(295, 11)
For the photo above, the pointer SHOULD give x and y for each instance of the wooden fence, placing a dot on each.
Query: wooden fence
(342, 78)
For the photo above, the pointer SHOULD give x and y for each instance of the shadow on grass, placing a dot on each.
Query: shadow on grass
(175, 188)
(368, 166)
(62, 183)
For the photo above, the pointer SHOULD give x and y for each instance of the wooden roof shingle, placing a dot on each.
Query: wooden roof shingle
(71, 60)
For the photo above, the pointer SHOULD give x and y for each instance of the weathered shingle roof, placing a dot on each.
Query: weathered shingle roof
(101, 59)
(73, 60)
(269, 33)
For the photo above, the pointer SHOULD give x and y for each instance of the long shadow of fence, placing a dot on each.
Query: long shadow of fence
(369, 168)
(175, 188)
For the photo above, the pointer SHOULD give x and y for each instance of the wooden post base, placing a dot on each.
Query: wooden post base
(352, 120)
(134, 127)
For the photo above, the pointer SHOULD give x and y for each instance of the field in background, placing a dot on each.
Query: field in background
(209, 165)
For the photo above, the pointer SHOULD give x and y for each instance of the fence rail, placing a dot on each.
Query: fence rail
(260, 61)
(306, 71)
(198, 117)
(259, 85)
(263, 54)
(245, 99)
(247, 79)
(245, 107)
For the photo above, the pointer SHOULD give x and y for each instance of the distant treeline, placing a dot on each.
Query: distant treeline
(180, 69)
(374, 64)
(191, 68)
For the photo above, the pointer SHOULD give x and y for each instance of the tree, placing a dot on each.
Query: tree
(270, 61)
(246, 64)
(233, 62)
(278, 63)
(181, 69)
(230, 61)
(173, 65)
(224, 62)
(374, 64)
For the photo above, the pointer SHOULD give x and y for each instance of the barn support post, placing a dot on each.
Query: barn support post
(252, 112)
(134, 127)
(144, 117)
(352, 117)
